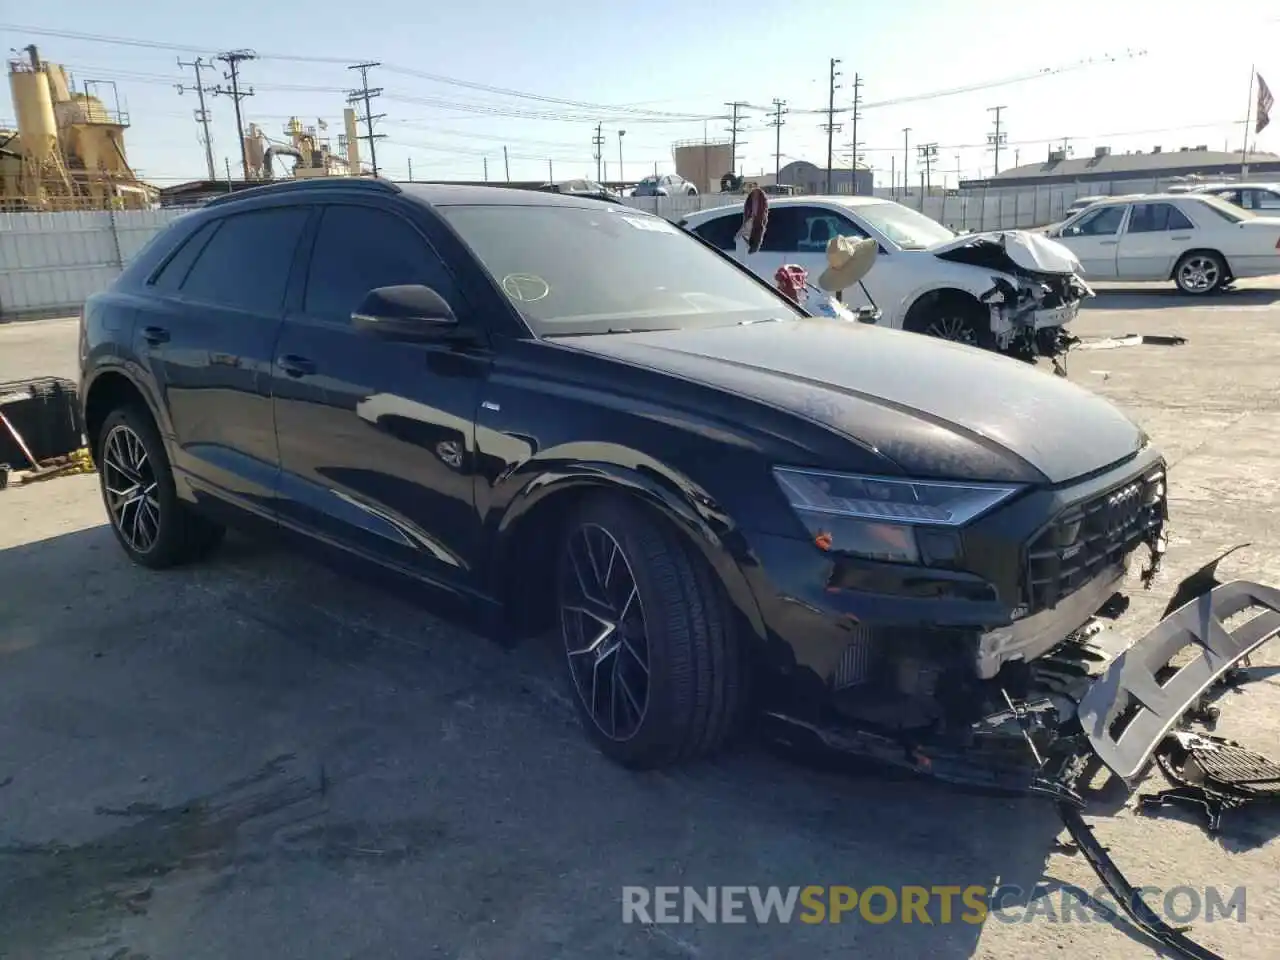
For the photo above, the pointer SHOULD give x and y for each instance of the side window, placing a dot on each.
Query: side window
(720, 231)
(360, 248)
(1233, 196)
(788, 227)
(1099, 223)
(1178, 220)
(821, 226)
(245, 265)
(1267, 200)
(174, 271)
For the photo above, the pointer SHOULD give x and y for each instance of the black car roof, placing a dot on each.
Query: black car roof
(435, 194)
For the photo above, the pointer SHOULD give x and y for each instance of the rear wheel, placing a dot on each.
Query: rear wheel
(152, 525)
(654, 662)
(1200, 272)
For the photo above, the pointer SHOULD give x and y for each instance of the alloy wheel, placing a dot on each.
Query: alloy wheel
(131, 488)
(605, 634)
(1198, 274)
(956, 329)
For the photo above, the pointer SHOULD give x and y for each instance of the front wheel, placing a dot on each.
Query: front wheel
(951, 316)
(1200, 272)
(652, 656)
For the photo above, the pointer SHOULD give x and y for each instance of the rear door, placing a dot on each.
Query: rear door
(1156, 235)
(1095, 240)
(209, 338)
(377, 438)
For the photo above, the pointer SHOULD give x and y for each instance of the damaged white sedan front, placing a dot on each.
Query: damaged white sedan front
(1011, 291)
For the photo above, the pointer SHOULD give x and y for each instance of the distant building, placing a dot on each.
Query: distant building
(811, 178)
(703, 162)
(1128, 172)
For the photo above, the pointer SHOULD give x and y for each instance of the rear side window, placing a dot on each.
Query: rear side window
(245, 265)
(171, 275)
(1156, 218)
(359, 249)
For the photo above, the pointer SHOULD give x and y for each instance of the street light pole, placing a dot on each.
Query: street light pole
(621, 178)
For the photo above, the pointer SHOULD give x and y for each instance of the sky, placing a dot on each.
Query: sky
(462, 81)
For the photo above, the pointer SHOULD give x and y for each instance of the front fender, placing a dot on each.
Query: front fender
(554, 474)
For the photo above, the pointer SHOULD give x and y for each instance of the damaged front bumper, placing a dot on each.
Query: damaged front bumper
(1051, 742)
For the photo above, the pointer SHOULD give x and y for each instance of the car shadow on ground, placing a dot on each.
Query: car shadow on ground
(1166, 296)
(256, 758)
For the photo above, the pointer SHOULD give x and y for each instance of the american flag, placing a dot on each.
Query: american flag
(1265, 102)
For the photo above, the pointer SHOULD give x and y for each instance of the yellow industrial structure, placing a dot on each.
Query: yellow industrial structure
(68, 150)
(310, 151)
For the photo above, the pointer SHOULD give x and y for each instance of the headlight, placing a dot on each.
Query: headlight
(900, 521)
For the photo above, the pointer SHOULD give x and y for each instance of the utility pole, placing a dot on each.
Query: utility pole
(779, 108)
(957, 171)
(486, 169)
(366, 95)
(997, 138)
(853, 143)
(621, 177)
(1066, 147)
(551, 172)
(506, 163)
(233, 59)
(410, 169)
(831, 126)
(906, 159)
(928, 152)
(201, 114)
(735, 122)
(597, 142)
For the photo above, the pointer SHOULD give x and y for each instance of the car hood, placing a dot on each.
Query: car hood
(932, 408)
(1011, 251)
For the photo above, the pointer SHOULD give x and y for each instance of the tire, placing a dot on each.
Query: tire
(951, 316)
(1200, 272)
(152, 525)
(686, 698)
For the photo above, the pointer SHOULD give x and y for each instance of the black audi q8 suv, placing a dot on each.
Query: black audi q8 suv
(556, 412)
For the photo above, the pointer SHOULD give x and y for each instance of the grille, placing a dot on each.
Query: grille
(1092, 536)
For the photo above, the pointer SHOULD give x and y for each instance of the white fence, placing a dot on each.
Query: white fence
(51, 262)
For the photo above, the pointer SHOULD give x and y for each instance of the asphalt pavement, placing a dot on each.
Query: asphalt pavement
(254, 758)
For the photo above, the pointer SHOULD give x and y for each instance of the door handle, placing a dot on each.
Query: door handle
(154, 335)
(1182, 236)
(296, 366)
(1108, 243)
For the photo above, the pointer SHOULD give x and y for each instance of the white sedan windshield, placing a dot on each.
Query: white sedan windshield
(905, 227)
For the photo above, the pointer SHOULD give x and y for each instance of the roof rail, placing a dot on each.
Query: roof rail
(317, 185)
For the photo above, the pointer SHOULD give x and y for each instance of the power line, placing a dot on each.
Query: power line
(366, 95)
(735, 124)
(831, 126)
(997, 139)
(392, 68)
(779, 108)
(201, 114)
(233, 59)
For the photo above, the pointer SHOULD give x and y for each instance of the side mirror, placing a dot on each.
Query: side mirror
(410, 312)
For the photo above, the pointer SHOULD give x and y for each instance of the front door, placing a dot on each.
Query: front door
(209, 339)
(377, 438)
(1095, 240)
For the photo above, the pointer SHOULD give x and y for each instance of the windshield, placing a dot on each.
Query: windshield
(905, 227)
(582, 270)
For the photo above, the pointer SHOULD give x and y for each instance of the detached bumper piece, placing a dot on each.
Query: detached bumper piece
(1213, 775)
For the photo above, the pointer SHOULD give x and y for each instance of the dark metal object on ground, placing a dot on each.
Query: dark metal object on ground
(43, 420)
(1213, 775)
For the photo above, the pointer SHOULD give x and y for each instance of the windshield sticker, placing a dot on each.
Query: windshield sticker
(525, 287)
(652, 224)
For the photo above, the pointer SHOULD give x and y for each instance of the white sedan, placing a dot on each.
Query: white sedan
(1197, 240)
(1011, 291)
